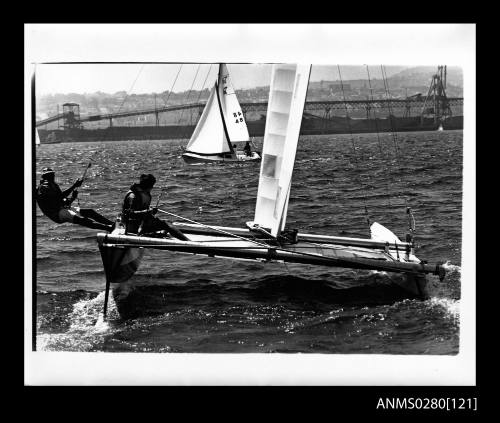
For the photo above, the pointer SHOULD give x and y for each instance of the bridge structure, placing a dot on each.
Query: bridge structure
(327, 108)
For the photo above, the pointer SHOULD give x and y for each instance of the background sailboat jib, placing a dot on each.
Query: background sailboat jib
(231, 110)
(287, 95)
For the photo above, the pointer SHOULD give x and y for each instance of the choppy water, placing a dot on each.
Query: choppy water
(189, 303)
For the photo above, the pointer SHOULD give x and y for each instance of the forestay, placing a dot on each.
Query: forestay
(284, 116)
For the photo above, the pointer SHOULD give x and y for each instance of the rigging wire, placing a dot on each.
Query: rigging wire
(112, 128)
(199, 96)
(204, 82)
(389, 107)
(127, 95)
(378, 134)
(391, 114)
(189, 93)
(271, 248)
(214, 229)
(354, 149)
(171, 89)
(131, 88)
(374, 113)
(411, 218)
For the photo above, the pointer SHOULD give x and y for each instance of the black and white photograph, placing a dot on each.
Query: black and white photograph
(279, 209)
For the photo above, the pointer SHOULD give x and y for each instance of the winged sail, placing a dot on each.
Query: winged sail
(284, 116)
(231, 109)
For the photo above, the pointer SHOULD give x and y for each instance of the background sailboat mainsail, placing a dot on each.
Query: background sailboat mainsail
(37, 137)
(284, 116)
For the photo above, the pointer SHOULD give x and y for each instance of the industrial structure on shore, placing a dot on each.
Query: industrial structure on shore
(414, 113)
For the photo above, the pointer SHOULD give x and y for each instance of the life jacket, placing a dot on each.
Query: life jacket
(50, 200)
(140, 201)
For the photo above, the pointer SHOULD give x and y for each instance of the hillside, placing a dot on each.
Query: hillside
(401, 82)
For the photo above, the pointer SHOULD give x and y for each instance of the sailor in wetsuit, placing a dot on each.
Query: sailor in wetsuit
(138, 216)
(56, 205)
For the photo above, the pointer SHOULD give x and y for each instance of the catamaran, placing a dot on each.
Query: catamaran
(266, 238)
(220, 128)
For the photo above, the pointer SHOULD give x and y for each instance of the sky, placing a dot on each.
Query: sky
(319, 44)
(149, 78)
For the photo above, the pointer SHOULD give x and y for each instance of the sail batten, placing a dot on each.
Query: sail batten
(287, 95)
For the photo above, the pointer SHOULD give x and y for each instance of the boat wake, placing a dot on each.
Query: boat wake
(452, 268)
(301, 293)
(87, 327)
(450, 307)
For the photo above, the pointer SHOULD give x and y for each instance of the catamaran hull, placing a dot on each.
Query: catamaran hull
(120, 263)
(125, 253)
(414, 285)
(193, 158)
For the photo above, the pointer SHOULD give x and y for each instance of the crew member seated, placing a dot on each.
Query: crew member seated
(138, 215)
(247, 149)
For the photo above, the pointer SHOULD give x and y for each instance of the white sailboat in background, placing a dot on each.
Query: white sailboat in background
(220, 127)
(37, 138)
(265, 238)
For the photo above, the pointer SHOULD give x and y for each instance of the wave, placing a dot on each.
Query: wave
(87, 327)
(151, 299)
(450, 307)
(72, 238)
(452, 268)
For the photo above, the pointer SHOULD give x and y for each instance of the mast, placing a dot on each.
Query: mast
(217, 87)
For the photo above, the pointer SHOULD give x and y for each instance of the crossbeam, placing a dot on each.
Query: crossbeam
(273, 253)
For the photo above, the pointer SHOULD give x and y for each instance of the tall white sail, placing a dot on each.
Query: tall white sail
(287, 96)
(209, 136)
(37, 137)
(231, 109)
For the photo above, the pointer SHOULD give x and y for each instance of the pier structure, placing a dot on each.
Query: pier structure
(323, 109)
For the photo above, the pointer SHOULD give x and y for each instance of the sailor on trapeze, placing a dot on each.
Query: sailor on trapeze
(56, 204)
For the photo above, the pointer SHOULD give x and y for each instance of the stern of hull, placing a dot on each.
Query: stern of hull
(414, 284)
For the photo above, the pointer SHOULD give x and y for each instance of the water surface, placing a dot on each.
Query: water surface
(187, 303)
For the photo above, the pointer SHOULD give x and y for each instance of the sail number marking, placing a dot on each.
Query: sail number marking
(238, 116)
